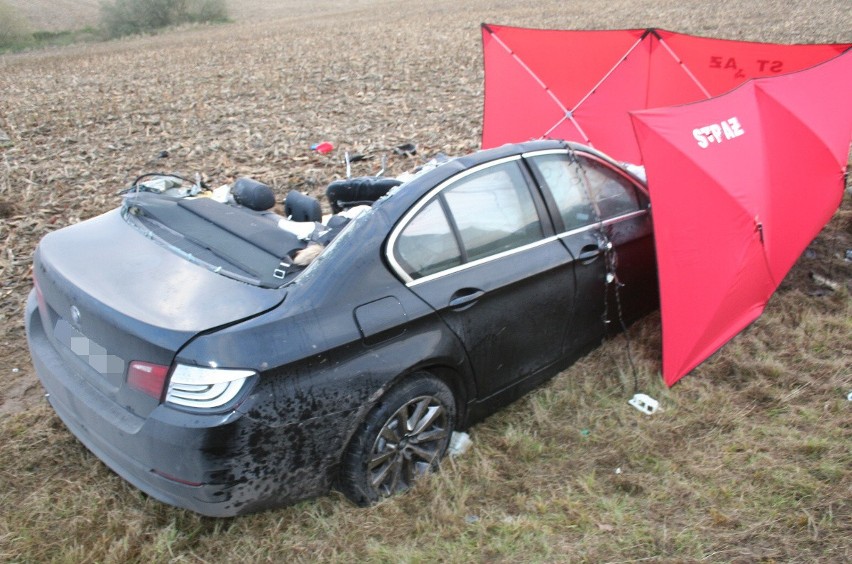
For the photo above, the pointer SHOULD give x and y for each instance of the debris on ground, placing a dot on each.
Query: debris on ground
(406, 149)
(823, 281)
(460, 443)
(322, 148)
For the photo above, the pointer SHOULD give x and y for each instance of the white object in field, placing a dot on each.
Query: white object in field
(849, 397)
(644, 403)
(460, 443)
(823, 281)
(222, 194)
(160, 184)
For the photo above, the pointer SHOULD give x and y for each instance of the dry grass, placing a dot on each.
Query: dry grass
(748, 461)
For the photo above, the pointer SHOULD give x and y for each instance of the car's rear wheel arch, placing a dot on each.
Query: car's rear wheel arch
(461, 387)
(456, 383)
(442, 377)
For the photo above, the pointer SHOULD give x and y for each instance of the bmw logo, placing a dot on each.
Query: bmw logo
(75, 315)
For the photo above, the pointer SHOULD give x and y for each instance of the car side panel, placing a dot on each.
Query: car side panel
(587, 324)
(300, 416)
(633, 240)
(320, 373)
(517, 326)
(319, 318)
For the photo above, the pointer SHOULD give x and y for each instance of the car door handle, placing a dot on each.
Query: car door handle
(589, 252)
(465, 298)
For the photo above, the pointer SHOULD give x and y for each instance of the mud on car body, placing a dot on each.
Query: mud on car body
(182, 342)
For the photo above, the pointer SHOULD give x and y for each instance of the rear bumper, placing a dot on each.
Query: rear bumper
(214, 464)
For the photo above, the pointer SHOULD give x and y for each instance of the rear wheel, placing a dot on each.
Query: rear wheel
(403, 438)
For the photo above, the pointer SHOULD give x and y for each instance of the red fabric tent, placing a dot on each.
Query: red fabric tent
(580, 85)
(740, 184)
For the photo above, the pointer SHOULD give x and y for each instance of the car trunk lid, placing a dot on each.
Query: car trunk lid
(109, 296)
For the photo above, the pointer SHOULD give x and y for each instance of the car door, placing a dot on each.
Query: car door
(481, 251)
(624, 208)
(600, 206)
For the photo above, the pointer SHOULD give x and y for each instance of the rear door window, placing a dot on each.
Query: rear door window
(484, 213)
(428, 244)
(493, 211)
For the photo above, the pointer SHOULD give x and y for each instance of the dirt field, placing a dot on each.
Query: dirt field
(249, 99)
(64, 15)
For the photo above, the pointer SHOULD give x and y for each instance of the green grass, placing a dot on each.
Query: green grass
(128, 18)
(66, 37)
(42, 39)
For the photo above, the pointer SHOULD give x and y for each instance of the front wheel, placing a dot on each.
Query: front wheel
(403, 438)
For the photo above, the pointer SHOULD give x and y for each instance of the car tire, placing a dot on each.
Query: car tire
(382, 459)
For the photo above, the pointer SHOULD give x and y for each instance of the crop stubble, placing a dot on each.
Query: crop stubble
(248, 99)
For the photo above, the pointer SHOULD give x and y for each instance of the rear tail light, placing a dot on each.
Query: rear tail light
(150, 379)
(205, 388)
(39, 295)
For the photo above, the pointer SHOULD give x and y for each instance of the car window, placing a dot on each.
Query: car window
(614, 194)
(562, 176)
(427, 244)
(482, 214)
(493, 211)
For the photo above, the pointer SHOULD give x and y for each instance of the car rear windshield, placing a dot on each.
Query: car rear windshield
(231, 240)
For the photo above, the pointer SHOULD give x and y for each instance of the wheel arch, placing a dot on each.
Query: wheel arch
(457, 383)
(401, 391)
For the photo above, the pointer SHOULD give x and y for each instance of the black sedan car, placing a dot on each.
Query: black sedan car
(185, 343)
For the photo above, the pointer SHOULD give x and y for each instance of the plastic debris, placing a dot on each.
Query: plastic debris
(222, 194)
(161, 184)
(460, 443)
(849, 255)
(823, 281)
(322, 148)
(406, 149)
(644, 403)
(849, 397)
